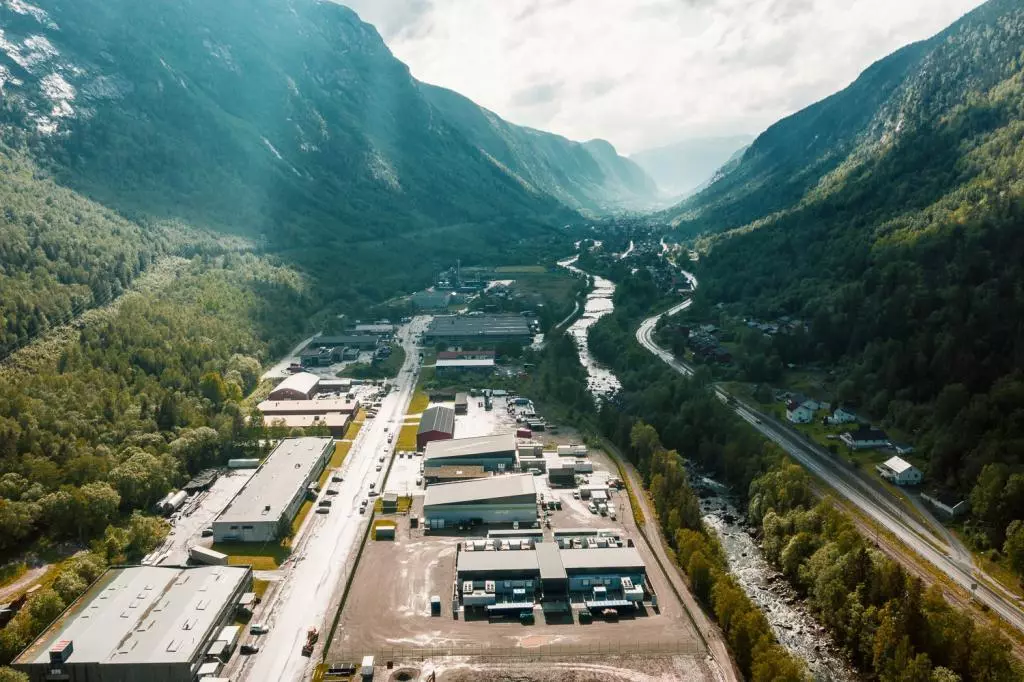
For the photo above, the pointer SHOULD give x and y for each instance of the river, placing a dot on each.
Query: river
(601, 381)
(794, 627)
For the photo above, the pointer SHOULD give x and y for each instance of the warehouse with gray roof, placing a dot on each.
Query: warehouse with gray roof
(498, 499)
(139, 624)
(493, 453)
(479, 330)
(268, 502)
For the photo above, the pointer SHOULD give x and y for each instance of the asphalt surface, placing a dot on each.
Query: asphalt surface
(884, 511)
(314, 574)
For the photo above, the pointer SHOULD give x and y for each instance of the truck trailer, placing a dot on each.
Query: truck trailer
(202, 555)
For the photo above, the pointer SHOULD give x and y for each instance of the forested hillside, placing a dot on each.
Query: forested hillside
(906, 259)
(590, 176)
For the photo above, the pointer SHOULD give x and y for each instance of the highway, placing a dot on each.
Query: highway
(314, 574)
(883, 510)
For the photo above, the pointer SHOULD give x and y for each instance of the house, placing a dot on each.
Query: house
(952, 507)
(842, 415)
(902, 448)
(800, 412)
(899, 471)
(865, 438)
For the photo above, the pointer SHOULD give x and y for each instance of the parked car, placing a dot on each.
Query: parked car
(207, 532)
(336, 476)
(258, 629)
(249, 649)
(379, 467)
(323, 510)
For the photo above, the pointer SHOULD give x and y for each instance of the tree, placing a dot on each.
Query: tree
(141, 479)
(17, 519)
(211, 386)
(11, 675)
(44, 607)
(699, 571)
(1014, 546)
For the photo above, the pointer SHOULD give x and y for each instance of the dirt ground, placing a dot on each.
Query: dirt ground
(388, 609)
(620, 669)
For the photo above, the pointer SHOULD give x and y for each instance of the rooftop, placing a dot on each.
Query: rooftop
(481, 489)
(478, 325)
(866, 434)
(601, 558)
(468, 447)
(461, 354)
(302, 421)
(321, 406)
(437, 419)
(142, 614)
(273, 486)
(457, 471)
(550, 561)
(510, 560)
(303, 382)
(487, 362)
(344, 340)
(897, 464)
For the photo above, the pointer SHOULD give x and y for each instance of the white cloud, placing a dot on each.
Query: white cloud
(642, 73)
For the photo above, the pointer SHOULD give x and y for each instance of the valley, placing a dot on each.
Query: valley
(315, 368)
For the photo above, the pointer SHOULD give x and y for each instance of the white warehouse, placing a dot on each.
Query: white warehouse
(272, 497)
(498, 499)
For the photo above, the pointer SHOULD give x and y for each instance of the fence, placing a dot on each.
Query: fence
(620, 646)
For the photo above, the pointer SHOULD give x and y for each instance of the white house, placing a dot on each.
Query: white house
(842, 415)
(899, 471)
(799, 413)
(865, 439)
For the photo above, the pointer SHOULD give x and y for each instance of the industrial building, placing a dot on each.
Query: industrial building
(447, 474)
(301, 386)
(483, 365)
(479, 330)
(493, 453)
(139, 624)
(498, 499)
(600, 577)
(361, 341)
(437, 423)
(335, 422)
(268, 502)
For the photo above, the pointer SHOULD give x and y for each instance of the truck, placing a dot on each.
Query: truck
(202, 555)
(312, 635)
(366, 669)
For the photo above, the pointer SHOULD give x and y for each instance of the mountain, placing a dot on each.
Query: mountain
(683, 167)
(888, 217)
(286, 119)
(588, 176)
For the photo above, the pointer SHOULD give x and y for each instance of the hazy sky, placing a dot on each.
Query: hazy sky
(643, 73)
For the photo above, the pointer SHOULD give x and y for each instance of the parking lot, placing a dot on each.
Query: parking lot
(198, 513)
(388, 608)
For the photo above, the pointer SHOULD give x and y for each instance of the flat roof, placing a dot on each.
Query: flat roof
(344, 340)
(457, 471)
(898, 464)
(439, 450)
(480, 490)
(601, 558)
(322, 406)
(478, 325)
(265, 496)
(307, 420)
(550, 561)
(488, 362)
(461, 398)
(142, 614)
(504, 560)
(303, 382)
(437, 418)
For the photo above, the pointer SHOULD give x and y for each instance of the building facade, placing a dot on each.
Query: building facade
(268, 502)
(493, 500)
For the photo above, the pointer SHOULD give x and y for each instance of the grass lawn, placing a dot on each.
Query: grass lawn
(262, 557)
(407, 437)
(341, 450)
(419, 402)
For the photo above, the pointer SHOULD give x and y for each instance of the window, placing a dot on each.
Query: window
(234, 527)
(246, 527)
(586, 583)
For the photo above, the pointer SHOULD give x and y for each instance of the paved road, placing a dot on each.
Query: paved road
(884, 511)
(315, 572)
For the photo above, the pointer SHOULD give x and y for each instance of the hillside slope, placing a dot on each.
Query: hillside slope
(895, 231)
(588, 176)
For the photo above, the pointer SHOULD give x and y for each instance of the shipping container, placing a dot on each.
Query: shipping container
(243, 463)
(202, 555)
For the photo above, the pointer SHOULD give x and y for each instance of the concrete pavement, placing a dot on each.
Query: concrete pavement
(326, 544)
